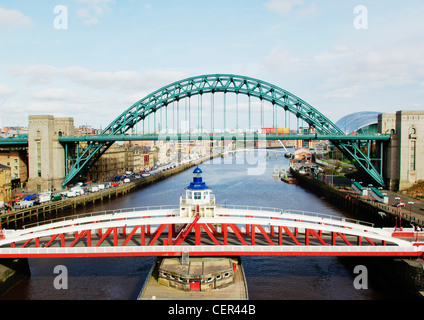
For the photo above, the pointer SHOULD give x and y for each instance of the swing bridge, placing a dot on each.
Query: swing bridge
(231, 231)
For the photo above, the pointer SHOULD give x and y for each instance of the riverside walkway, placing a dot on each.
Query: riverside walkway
(20, 217)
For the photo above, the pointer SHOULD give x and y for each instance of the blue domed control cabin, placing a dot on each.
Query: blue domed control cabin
(198, 195)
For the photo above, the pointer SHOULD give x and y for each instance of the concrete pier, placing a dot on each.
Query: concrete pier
(11, 272)
(155, 288)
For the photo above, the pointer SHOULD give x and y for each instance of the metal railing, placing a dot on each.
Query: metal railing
(100, 213)
(299, 212)
(275, 211)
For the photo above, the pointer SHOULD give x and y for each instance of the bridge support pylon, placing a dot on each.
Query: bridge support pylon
(46, 155)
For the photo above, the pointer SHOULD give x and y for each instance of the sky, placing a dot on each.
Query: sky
(92, 59)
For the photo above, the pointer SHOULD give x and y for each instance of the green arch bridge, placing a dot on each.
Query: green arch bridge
(79, 159)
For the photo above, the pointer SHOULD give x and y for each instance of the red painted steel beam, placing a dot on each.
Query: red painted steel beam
(210, 234)
(238, 233)
(342, 235)
(210, 226)
(287, 230)
(224, 231)
(105, 235)
(132, 233)
(316, 235)
(157, 234)
(280, 236)
(78, 237)
(306, 237)
(26, 243)
(51, 241)
(261, 229)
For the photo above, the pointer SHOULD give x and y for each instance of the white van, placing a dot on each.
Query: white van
(44, 197)
(78, 190)
(71, 194)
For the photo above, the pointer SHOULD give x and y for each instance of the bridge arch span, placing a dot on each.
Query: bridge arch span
(225, 83)
(215, 83)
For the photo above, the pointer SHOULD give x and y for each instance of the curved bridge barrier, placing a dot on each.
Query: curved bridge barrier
(232, 231)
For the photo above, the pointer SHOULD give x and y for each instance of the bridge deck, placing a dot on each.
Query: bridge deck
(231, 232)
(232, 240)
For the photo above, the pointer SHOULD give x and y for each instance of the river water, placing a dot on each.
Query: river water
(242, 181)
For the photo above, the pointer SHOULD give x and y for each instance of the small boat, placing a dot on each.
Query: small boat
(287, 178)
(275, 173)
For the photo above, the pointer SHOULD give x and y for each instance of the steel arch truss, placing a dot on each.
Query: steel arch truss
(212, 84)
(240, 232)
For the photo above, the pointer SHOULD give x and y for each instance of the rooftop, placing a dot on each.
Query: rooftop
(357, 121)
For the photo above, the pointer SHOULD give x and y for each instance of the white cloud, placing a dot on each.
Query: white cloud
(121, 81)
(380, 68)
(93, 10)
(56, 94)
(282, 7)
(83, 93)
(343, 93)
(11, 19)
(5, 91)
(342, 68)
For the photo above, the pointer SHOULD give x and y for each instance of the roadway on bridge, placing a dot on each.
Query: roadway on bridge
(413, 210)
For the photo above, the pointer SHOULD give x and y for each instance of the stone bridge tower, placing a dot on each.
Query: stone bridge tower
(46, 156)
(404, 155)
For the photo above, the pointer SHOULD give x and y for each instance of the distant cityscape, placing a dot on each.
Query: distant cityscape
(134, 156)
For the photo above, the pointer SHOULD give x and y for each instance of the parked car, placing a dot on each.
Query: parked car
(78, 190)
(23, 204)
(57, 197)
(400, 204)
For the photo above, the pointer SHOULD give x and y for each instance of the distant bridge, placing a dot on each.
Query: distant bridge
(234, 231)
(151, 108)
(168, 114)
(224, 136)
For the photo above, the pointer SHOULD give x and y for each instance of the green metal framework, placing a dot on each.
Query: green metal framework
(212, 84)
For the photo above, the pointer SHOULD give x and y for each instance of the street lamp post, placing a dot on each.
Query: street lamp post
(410, 203)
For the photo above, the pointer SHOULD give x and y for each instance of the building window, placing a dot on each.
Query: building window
(413, 155)
(197, 195)
(39, 158)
